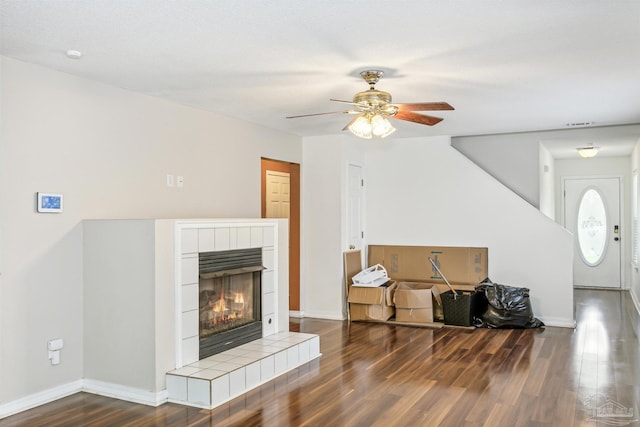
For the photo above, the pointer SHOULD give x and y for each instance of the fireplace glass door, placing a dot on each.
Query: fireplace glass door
(229, 297)
(226, 303)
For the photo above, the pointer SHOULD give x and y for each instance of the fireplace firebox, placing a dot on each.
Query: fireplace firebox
(230, 299)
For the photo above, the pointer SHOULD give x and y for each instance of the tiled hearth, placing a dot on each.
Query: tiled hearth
(217, 379)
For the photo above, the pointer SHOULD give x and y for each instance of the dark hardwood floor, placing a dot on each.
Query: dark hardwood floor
(382, 375)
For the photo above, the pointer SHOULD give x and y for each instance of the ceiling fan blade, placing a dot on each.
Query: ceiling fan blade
(424, 106)
(362, 107)
(340, 100)
(317, 114)
(417, 118)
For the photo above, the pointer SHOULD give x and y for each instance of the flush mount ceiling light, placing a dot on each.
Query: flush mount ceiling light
(373, 109)
(74, 54)
(588, 151)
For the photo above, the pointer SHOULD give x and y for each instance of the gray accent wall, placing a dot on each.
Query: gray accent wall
(119, 302)
(512, 159)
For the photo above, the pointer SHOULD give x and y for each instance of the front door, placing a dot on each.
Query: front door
(592, 214)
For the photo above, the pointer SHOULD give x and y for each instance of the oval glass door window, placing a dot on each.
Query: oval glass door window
(592, 227)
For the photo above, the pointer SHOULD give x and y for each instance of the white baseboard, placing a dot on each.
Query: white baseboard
(39, 398)
(559, 323)
(325, 316)
(302, 315)
(90, 386)
(121, 392)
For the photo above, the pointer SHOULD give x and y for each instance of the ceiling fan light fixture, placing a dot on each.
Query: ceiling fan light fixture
(367, 126)
(381, 127)
(361, 127)
(588, 152)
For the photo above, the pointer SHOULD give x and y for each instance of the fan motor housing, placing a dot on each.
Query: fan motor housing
(372, 97)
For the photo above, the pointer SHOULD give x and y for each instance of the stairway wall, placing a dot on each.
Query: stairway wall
(422, 191)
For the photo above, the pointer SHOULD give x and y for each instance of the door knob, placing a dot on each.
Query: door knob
(352, 246)
(616, 238)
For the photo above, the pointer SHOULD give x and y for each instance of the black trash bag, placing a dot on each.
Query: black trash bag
(506, 307)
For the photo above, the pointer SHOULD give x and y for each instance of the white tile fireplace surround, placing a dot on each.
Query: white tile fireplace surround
(216, 379)
(149, 271)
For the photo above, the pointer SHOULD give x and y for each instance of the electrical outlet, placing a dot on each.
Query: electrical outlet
(54, 347)
(180, 181)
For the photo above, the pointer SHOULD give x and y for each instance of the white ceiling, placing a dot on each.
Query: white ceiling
(506, 66)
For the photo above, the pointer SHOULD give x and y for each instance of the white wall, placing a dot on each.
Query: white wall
(324, 204)
(321, 258)
(2, 222)
(546, 171)
(634, 278)
(601, 166)
(108, 151)
(424, 192)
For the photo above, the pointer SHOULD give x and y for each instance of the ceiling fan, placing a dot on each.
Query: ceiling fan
(374, 108)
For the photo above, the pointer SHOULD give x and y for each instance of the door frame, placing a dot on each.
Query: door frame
(293, 169)
(624, 235)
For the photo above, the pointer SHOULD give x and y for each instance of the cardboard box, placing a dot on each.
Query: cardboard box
(414, 301)
(463, 266)
(372, 303)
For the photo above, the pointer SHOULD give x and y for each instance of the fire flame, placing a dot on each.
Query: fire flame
(239, 299)
(220, 306)
(222, 313)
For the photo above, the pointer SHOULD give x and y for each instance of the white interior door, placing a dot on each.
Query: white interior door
(592, 214)
(354, 207)
(278, 195)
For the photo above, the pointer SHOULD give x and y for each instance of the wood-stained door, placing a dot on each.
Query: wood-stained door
(275, 175)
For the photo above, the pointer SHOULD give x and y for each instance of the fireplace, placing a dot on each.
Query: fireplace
(229, 299)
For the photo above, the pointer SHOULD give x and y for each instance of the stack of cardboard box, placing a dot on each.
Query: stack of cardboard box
(372, 303)
(413, 293)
